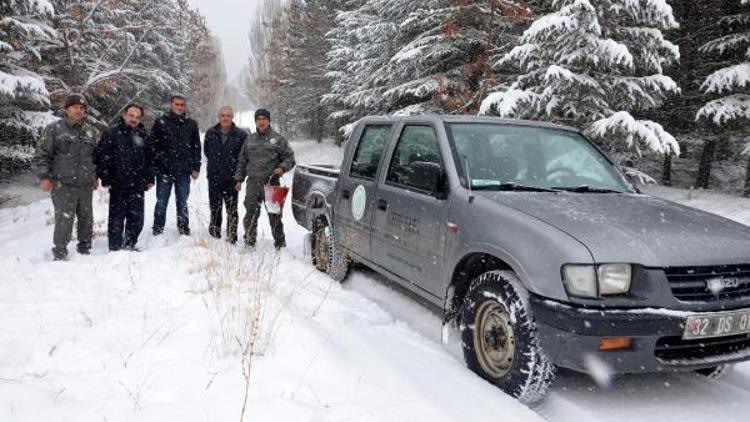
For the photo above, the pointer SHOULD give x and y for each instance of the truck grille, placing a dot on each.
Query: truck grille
(709, 284)
(670, 349)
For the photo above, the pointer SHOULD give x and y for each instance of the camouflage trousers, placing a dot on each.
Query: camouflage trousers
(254, 197)
(72, 202)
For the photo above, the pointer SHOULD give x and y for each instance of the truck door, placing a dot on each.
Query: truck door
(356, 190)
(410, 221)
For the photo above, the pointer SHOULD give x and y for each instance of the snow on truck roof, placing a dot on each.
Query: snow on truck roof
(465, 119)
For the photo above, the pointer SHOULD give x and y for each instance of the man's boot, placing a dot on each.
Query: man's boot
(59, 254)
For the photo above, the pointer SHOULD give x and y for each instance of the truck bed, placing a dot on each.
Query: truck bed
(313, 192)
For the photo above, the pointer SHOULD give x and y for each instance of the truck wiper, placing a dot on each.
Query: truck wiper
(586, 189)
(511, 186)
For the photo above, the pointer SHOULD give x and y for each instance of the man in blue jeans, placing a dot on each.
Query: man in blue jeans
(177, 158)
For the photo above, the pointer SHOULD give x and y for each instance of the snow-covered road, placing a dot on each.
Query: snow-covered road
(164, 335)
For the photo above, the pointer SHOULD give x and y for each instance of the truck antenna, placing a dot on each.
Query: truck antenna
(468, 179)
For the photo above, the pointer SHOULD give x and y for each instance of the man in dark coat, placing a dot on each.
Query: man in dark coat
(265, 155)
(67, 158)
(177, 158)
(222, 146)
(124, 163)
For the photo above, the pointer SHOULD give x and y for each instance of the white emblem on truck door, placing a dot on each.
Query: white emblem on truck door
(359, 202)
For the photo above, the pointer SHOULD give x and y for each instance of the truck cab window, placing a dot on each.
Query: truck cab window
(369, 150)
(416, 145)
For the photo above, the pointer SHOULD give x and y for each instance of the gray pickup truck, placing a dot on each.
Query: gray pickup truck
(535, 246)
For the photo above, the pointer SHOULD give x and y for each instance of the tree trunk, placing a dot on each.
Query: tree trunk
(666, 173)
(704, 167)
(746, 192)
(318, 124)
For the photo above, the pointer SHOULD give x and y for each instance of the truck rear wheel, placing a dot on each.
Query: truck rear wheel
(327, 256)
(500, 339)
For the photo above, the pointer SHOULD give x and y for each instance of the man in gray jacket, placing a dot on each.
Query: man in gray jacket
(68, 172)
(265, 155)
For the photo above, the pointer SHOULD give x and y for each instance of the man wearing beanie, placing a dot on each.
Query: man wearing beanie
(265, 155)
(67, 157)
(177, 158)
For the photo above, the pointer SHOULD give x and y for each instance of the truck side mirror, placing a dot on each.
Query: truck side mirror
(428, 176)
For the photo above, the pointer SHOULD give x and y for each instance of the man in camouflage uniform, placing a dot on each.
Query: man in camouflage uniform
(264, 154)
(68, 172)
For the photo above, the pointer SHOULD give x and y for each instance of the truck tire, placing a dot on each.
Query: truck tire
(327, 256)
(319, 249)
(500, 339)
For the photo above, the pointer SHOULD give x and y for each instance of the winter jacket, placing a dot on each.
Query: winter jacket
(177, 145)
(261, 154)
(67, 153)
(222, 155)
(124, 158)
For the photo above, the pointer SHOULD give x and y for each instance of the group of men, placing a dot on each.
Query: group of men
(129, 161)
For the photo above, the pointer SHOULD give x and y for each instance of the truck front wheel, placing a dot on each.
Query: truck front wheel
(500, 339)
(327, 256)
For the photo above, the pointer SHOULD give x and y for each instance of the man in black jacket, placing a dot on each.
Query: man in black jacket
(222, 146)
(124, 163)
(177, 157)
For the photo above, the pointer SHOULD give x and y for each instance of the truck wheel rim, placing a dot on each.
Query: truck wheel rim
(321, 250)
(494, 341)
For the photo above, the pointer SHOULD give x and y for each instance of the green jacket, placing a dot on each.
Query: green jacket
(261, 153)
(66, 153)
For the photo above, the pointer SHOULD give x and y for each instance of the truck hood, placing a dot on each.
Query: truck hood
(637, 229)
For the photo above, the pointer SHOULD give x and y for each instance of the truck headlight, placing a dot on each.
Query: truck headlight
(593, 282)
(614, 279)
(580, 280)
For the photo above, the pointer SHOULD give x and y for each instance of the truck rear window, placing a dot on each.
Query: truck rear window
(369, 151)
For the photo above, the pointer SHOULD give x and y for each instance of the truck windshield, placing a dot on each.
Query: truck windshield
(498, 155)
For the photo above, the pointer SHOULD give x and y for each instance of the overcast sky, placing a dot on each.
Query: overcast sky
(230, 21)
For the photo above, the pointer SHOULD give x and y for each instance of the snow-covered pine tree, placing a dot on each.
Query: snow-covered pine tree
(362, 43)
(25, 35)
(594, 64)
(729, 87)
(443, 65)
(115, 52)
(306, 51)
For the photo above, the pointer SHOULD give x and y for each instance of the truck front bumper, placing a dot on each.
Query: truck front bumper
(571, 337)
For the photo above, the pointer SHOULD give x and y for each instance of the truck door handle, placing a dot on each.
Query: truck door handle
(382, 204)
(346, 194)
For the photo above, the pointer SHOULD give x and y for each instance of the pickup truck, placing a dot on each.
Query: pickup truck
(536, 247)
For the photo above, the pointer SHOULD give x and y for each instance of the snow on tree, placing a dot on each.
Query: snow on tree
(594, 64)
(728, 87)
(362, 43)
(25, 34)
(118, 51)
(731, 83)
(443, 64)
(305, 82)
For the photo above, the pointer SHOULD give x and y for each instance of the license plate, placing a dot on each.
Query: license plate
(717, 325)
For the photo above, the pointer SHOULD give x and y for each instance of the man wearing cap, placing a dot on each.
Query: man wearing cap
(265, 155)
(67, 157)
(177, 158)
(123, 163)
(222, 146)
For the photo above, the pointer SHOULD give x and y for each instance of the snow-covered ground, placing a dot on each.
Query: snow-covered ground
(174, 333)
